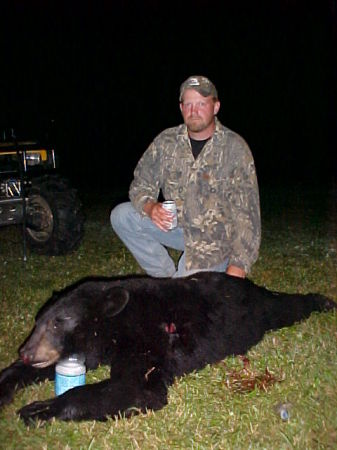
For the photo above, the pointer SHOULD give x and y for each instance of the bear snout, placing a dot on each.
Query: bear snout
(39, 354)
(25, 357)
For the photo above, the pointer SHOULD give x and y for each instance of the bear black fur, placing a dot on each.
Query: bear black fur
(149, 331)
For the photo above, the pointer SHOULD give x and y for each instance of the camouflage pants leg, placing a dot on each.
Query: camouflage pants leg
(182, 272)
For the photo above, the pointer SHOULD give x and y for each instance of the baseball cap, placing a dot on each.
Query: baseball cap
(200, 84)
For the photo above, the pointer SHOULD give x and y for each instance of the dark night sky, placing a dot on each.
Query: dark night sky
(109, 72)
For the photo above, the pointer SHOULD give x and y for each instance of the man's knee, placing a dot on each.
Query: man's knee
(119, 215)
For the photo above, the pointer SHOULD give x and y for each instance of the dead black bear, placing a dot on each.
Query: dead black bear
(149, 330)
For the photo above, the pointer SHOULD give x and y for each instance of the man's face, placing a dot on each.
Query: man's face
(198, 111)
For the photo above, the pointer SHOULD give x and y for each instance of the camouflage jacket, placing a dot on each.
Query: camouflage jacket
(216, 195)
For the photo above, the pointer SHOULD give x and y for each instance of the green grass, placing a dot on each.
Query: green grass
(211, 409)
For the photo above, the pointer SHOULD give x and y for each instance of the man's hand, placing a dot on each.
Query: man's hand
(236, 271)
(159, 216)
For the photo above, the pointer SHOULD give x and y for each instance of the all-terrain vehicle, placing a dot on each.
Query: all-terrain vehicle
(33, 194)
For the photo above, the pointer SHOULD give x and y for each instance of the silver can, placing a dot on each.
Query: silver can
(171, 206)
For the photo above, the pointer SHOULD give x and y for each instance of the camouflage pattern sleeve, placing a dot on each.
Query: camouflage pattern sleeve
(245, 209)
(145, 185)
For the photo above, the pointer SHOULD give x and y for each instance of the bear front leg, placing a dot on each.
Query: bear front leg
(18, 375)
(97, 402)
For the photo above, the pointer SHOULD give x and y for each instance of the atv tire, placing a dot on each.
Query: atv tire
(54, 224)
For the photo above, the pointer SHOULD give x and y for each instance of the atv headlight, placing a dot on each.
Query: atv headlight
(33, 159)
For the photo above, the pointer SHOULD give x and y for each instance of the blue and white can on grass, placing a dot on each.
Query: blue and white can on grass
(69, 373)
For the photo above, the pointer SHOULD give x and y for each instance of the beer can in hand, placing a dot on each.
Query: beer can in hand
(171, 206)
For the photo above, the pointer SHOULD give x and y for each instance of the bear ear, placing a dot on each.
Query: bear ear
(115, 300)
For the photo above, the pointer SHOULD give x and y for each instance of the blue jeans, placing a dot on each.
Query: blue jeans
(148, 243)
